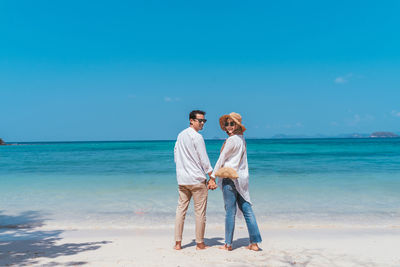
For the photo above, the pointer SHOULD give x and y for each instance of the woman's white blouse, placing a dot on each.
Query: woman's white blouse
(234, 155)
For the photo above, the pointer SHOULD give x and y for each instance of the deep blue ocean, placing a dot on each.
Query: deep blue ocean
(293, 182)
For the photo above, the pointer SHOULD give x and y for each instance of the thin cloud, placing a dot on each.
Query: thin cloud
(171, 99)
(344, 79)
(340, 80)
(356, 119)
(395, 113)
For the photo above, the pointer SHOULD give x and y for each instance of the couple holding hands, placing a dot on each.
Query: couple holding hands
(192, 165)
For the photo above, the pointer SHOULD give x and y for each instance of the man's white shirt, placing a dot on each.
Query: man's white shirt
(192, 163)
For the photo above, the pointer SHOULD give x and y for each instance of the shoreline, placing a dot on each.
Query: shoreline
(134, 220)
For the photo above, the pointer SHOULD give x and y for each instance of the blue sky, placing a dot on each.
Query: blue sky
(133, 70)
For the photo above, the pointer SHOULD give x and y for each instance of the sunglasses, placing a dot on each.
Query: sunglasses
(229, 124)
(201, 120)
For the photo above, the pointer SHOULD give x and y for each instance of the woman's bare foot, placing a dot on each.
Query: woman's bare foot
(178, 245)
(226, 247)
(201, 246)
(254, 247)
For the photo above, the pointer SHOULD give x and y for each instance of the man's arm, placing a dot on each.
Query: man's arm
(205, 162)
(202, 153)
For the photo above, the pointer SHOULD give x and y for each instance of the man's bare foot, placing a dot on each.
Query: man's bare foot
(254, 247)
(226, 247)
(201, 246)
(178, 245)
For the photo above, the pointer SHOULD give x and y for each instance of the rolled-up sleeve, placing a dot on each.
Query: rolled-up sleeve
(202, 153)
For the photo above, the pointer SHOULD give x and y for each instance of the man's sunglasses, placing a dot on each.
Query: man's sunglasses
(229, 124)
(201, 120)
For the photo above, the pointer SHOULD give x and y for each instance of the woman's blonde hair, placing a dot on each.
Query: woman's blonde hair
(238, 130)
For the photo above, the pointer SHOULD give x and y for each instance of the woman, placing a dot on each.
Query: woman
(236, 191)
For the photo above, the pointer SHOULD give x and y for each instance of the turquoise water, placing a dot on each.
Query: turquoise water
(312, 182)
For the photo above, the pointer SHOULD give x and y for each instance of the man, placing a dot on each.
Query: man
(192, 165)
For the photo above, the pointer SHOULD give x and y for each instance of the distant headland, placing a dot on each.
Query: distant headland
(383, 135)
(352, 135)
(2, 143)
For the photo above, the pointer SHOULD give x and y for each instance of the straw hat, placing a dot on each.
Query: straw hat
(235, 117)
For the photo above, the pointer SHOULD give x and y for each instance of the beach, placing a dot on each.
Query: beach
(150, 247)
(106, 106)
(320, 202)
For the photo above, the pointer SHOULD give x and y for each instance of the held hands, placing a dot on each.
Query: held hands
(212, 184)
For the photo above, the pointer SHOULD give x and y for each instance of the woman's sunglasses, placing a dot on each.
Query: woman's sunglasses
(229, 124)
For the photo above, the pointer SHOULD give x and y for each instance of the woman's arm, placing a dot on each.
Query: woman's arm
(230, 148)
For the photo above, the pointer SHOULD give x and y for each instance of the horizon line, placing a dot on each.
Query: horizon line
(208, 139)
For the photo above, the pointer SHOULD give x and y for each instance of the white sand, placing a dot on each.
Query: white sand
(153, 247)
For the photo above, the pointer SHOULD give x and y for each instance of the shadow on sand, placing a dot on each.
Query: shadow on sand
(208, 241)
(242, 242)
(219, 241)
(21, 243)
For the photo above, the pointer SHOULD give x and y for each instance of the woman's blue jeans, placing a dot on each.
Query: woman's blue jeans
(231, 198)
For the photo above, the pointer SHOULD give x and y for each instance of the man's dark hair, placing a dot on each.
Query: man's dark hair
(192, 115)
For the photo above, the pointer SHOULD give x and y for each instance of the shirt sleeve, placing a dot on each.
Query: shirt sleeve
(230, 148)
(175, 151)
(202, 153)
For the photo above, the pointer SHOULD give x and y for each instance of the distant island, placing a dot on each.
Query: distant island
(2, 143)
(383, 135)
(352, 135)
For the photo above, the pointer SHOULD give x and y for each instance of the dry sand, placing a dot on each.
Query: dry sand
(153, 247)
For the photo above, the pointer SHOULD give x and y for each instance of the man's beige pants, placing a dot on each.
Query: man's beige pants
(199, 193)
